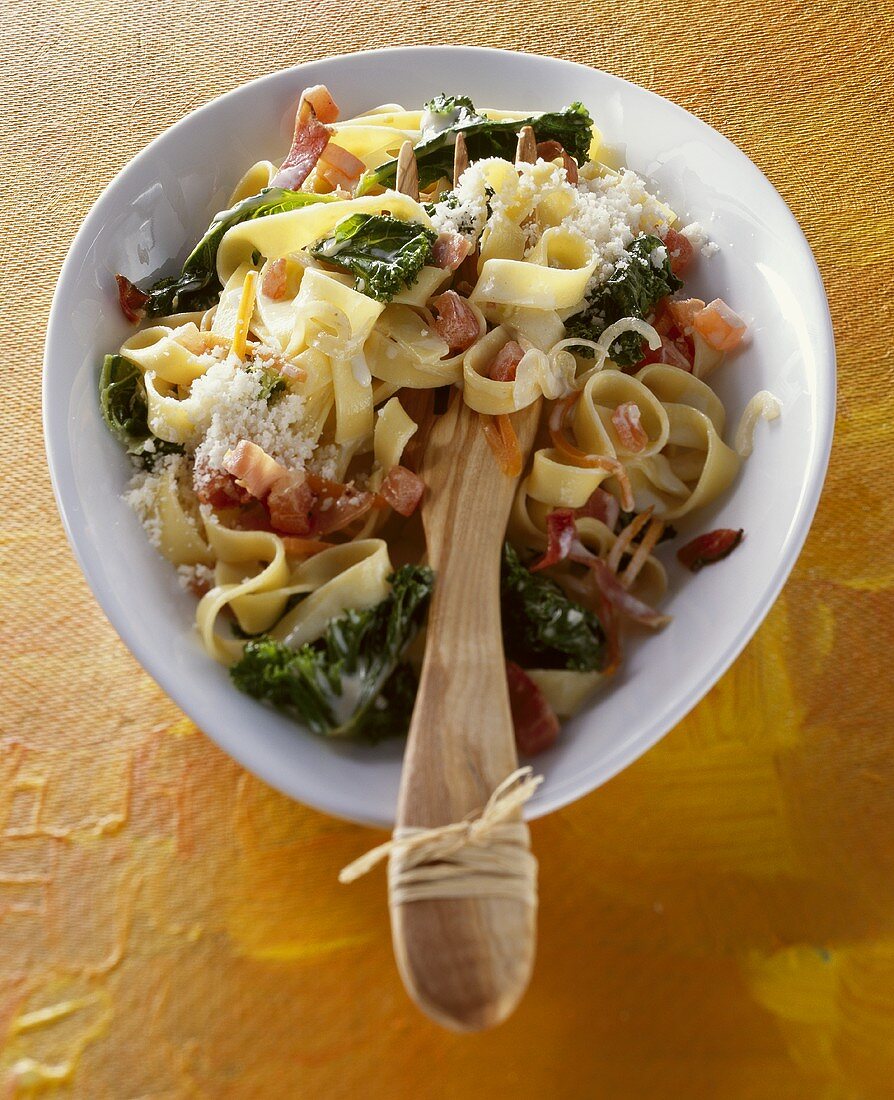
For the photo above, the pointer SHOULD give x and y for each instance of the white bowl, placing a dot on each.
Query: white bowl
(158, 206)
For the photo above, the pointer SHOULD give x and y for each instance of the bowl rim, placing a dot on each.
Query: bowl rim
(555, 795)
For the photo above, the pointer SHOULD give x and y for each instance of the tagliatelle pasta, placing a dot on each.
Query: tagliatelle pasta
(279, 395)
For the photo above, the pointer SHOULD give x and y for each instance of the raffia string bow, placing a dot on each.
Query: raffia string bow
(485, 855)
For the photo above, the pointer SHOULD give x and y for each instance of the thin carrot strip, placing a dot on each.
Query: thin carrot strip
(503, 442)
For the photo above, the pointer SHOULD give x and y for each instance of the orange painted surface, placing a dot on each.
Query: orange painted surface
(716, 922)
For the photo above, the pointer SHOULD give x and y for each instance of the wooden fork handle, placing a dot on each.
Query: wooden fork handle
(465, 961)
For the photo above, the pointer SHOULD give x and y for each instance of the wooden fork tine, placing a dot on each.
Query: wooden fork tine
(526, 152)
(460, 158)
(407, 181)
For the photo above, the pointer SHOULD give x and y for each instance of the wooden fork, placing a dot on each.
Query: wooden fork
(465, 961)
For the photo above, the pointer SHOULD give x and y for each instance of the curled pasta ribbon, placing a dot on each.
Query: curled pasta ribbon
(249, 563)
(528, 527)
(536, 375)
(486, 855)
(404, 350)
(255, 580)
(700, 469)
(159, 349)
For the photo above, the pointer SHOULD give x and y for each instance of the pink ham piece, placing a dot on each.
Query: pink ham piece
(683, 311)
(626, 420)
(614, 592)
(334, 513)
(455, 321)
(339, 168)
(562, 533)
(449, 250)
(253, 468)
(275, 284)
(602, 506)
(309, 140)
(320, 98)
(719, 326)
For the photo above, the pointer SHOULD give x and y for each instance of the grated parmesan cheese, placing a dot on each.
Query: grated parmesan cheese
(195, 577)
(142, 492)
(326, 461)
(607, 208)
(226, 406)
(698, 238)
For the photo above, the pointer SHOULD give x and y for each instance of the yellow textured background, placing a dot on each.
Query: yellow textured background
(716, 922)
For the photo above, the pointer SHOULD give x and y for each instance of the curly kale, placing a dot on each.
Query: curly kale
(573, 128)
(352, 682)
(542, 627)
(125, 409)
(384, 253)
(455, 107)
(633, 289)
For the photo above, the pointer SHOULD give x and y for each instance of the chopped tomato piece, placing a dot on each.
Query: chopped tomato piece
(308, 141)
(455, 321)
(340, 168)
(561, 532)
(253, 468)
(291, 503)
(679, 252)
(627, 422)
(449, 250)
(535, 721)
(218, 488)
(506, 362)
(403, 490)
(709, 548)
(552, 150)
(131, 299)
(719, 326)
(320, 98)
(502, 440)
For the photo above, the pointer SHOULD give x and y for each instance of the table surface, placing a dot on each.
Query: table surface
(718, 921)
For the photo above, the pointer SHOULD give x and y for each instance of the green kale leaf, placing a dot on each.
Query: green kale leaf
(352, 682)
(458, 107)
(542, 627)
(573, 127)
(384, 253)
(633, 289)
(197, 286)
(122, 399)
(273, 385)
